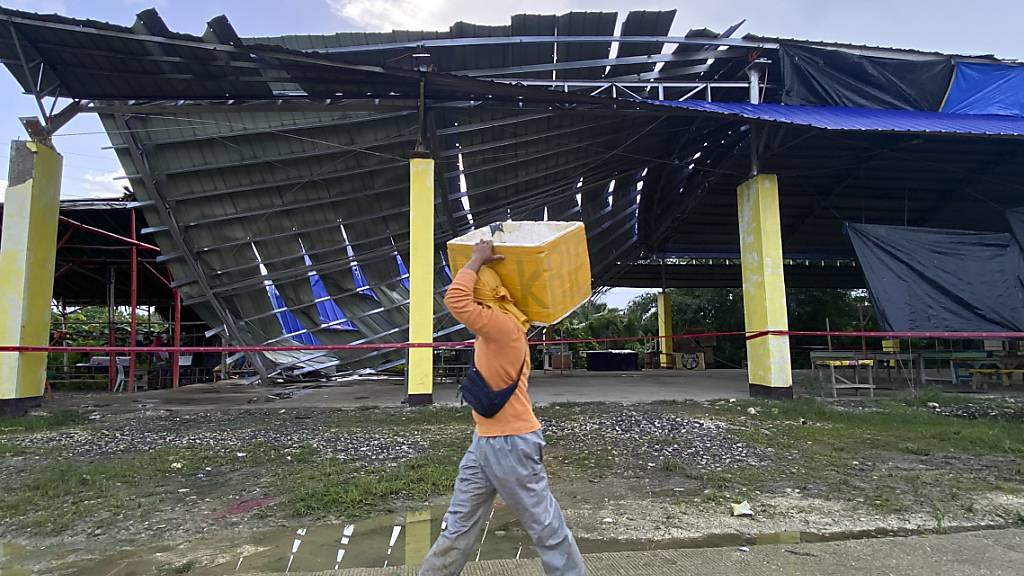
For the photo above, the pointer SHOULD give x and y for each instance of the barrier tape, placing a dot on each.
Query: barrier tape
(749, 335)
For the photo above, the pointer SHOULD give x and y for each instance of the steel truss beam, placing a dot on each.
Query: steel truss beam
(167, 214)
(503, 40)
(604, 62)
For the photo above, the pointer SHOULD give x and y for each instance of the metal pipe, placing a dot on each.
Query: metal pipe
(64, 239)
(110, 235)
(158, 275)
(176, 356)
(755, 83)
(111, 358)
(133, 305)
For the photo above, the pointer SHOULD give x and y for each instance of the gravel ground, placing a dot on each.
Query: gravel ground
(701, 444)
(226, 432)
(646, 478)
(1002, 409)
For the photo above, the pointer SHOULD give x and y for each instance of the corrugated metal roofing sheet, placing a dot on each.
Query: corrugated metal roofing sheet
(862, 119)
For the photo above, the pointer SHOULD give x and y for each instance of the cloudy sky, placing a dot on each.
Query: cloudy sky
(982, 26)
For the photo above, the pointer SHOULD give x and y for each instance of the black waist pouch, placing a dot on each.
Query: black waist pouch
(484, 400)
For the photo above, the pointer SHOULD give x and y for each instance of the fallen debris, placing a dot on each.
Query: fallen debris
(742, 509)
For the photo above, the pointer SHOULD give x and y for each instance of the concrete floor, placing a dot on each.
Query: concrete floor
(992, 553)
(579, 386)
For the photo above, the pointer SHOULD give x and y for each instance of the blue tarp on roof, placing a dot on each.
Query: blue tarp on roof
(403, 272)
(986, 89)
(330, 314)
(289, 323)
(861, 119)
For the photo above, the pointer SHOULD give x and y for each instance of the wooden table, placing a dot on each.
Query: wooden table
(1003, 365)
(833, 359)
(955, 359)
(903, 361)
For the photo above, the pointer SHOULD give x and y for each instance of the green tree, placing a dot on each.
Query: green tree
(721, 310)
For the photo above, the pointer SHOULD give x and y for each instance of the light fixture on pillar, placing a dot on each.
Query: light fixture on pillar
(420, 365)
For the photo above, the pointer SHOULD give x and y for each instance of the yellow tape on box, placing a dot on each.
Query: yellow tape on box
(546, 266)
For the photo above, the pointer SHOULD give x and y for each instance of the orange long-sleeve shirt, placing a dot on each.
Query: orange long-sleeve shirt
(498, 353)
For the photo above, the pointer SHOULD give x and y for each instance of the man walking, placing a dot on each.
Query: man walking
(506, 456)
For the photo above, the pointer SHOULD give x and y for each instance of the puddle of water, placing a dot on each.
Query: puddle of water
(9, 553)
(389, 540)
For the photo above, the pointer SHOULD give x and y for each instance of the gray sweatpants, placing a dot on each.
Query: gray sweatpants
(512, 466)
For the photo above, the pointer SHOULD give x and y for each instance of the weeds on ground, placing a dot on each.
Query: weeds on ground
(334, 488)
(183, 568)
(894, 456)
(39, 423)
(885, 425)
(60, 493)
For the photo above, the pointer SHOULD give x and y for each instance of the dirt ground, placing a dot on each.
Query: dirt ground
(83, 486)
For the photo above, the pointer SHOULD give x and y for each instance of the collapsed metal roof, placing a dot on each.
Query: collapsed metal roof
(273, 170)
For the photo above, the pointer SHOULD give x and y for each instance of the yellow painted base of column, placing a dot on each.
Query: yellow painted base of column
(665, 329)
(420, 366)
(764, 286)
(27, 259)
(418, 540)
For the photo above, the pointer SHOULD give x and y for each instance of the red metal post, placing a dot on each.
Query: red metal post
(64, 240)
(111, 358)
(134, 331)
(175, 368)
(110, 235)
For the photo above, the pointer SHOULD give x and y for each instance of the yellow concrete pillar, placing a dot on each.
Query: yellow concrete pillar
(417, 536)
(420, 367)
(665, 329)
(764, 288)
(27, 258)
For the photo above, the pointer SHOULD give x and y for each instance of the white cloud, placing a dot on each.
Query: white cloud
(386, 15)
(100, 185)
(3, 190)
(621, 297)
(39, 6)
(394, 14)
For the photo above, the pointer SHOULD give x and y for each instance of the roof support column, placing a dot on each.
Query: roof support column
(27, 264)
(764, 288)
(665, 328)
(418, 524)
(420, 367)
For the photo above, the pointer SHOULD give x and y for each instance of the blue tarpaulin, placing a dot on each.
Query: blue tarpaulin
(331, 315)
(403, 271)
(986, 89)
(289, 323)
(860, 119)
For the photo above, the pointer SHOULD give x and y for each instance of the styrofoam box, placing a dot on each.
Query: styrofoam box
(546, 266)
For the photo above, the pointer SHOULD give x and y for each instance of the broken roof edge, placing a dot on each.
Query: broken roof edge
(860, 119)
(880, 51)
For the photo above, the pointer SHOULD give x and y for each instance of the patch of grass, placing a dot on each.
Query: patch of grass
(805, 384)
(591, 460)
(914, 449)
(567, 410)
(60, 493)
(887, 425)
(1019, 518)
(715, 496)
(854, 452)
(672, 465)
(52, 421)
(333, 488)
(434, 416)
(12, 450)
(183, 568)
